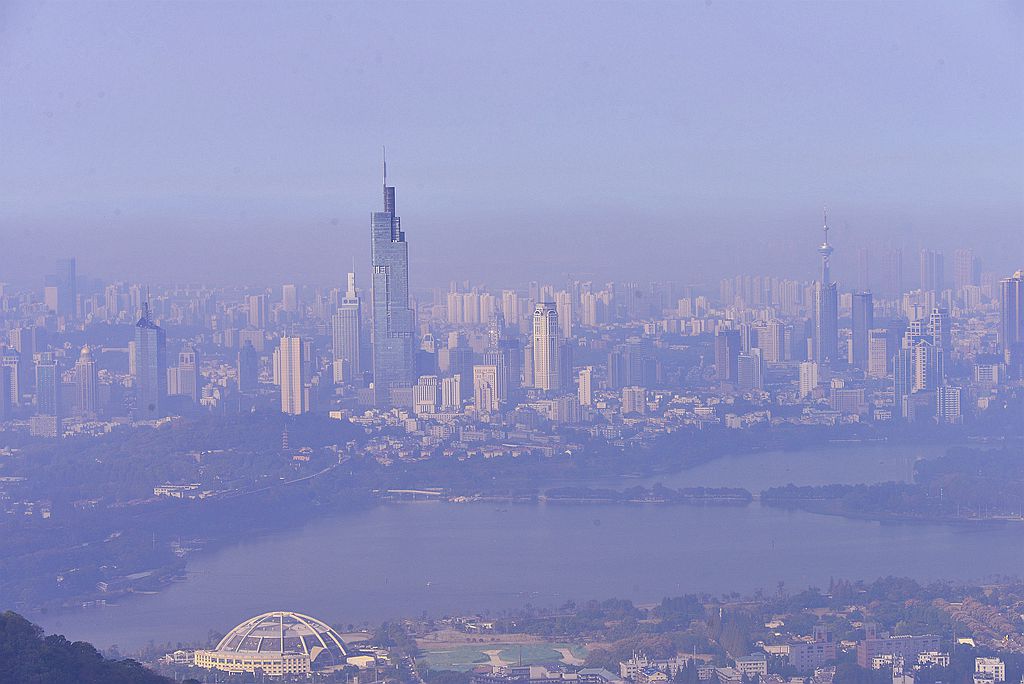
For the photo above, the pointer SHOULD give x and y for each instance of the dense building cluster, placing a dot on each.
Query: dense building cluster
(618, 359)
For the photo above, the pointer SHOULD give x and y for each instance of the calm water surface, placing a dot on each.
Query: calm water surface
(404, 559)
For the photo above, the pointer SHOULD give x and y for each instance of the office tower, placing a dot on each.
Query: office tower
(918, 368)
(48, 421)
(750, 371)
(424, 395)
(510, 369)
(451, 393)
(293, 367)
(966, 269)
(290, 298)
(393, 323)
(634, 400)
(503, 371)
(546, 370)
(863, 269)
(5, 393)
(248, 368)
(727, 353)
(87, 383)
(878, 353)
(346, 331)
(11, 360)
(563, 305)
(826, 309)
(258, 311)
(932, 271)
(187, 381)
(808, 378)
(947, 404)
(862, 321)
(510, 308)
(1011, 322)
(892, 272)
(66, 288)
(150, 367)
(485, 388)
(771, 340)
(566, 353)
(584, 391)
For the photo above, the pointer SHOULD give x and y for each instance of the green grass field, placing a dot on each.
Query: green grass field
(467, 657)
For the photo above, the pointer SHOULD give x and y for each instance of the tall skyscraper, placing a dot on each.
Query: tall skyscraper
(345, 332)
(933, 275)
(393, 320)
(727, 354)
(248, 368)
(259, 311)
(290, 297)
(808, 378)
(485, 388)
(546, 370)
(919, 369)
(150, 367)
(863, 320)
(12, 361)
(826, 309)
(585, 392)
(878, 353)
(48, 421)
(5, 393)
(86, 383)
(1011, 322)
(750, 370)
(67, 287)
(185, 376)
(293, 367)
(892, 271)
(966, 269)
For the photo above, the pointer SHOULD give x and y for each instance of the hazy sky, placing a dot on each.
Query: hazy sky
(218, 141)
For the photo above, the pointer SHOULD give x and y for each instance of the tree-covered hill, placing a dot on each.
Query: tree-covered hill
(29, 657)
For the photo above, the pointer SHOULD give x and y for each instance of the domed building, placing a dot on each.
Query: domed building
(278, 643)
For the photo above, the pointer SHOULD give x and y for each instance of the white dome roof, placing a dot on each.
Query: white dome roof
(285, 632)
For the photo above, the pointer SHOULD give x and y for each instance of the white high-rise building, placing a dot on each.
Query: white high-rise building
(563, 305)
(485, 388)
(634, 400)
(345, 332)
(87, 383)
(585, 391)
(424, 395)
(878, 353)
(293, 381)
(808, 378)
(451, 393)
(290, 297)
(545, 347)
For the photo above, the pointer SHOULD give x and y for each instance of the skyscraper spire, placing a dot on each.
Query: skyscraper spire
(825, 249)
(826, 320)
(384, 157)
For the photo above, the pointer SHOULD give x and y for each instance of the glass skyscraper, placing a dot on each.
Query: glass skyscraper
(393, 321)
(150, 367)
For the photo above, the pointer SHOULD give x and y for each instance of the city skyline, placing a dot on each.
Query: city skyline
(714, 307)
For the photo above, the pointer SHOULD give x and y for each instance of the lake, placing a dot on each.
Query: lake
(405, 559)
